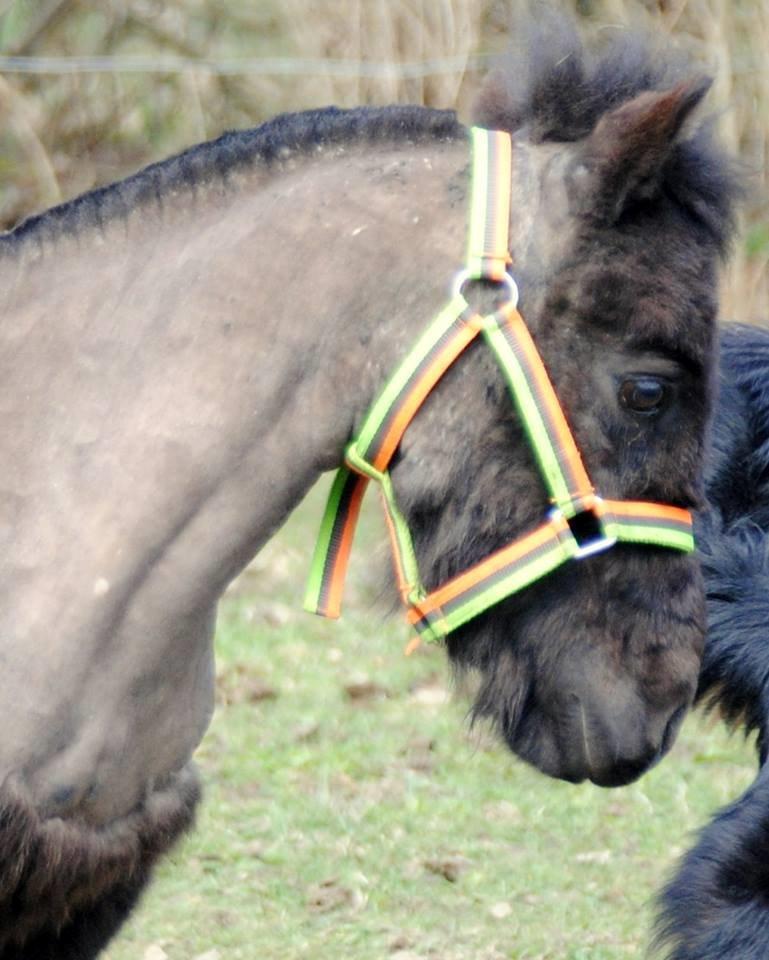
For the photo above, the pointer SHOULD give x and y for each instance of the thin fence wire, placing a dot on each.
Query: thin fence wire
(263, 66)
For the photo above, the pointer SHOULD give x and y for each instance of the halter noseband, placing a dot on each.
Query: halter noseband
(580, 522)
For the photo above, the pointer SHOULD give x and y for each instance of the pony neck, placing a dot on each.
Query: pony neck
(221, 346)
(173, 382)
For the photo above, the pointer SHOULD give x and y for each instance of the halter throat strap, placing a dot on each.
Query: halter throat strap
(579, 523)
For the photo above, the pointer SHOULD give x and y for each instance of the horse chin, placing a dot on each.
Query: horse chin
(539, 748)
(567, 752)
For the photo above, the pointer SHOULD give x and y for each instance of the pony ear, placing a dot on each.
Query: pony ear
(624, 155)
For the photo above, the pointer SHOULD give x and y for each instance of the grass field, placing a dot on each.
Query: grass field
(350, 813)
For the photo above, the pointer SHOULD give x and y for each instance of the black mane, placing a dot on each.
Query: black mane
(235, 151)
(556, 88)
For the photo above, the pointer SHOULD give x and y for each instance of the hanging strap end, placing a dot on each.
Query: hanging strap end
(329, 612)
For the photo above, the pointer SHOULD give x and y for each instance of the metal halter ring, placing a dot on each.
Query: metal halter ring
(589, 547)
(506, 280)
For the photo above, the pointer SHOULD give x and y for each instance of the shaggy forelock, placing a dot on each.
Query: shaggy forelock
(554, 88)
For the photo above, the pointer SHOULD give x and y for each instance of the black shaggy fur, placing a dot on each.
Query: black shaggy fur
(717, 905)
(66, 888)
(556, 90)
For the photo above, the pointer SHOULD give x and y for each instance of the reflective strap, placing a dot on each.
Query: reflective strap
(487, 246)
(521, 563)
(368, 456)
(404, 558)
(498, 576)
(525, 560)
(535, 399)
(325, 583)
(654, 524)
(533, 555)
(443, 341)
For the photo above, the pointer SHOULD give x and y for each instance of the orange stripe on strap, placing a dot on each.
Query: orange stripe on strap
(549, 400)
(404, 587)
(495, 214)
(644, 509)
(487, 568)
(421, 388)
(333, 607)
(502, 187)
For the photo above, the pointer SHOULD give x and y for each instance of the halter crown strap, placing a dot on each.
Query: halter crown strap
(488, 255)
(563, 535)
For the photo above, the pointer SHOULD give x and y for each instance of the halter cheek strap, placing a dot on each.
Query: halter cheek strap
(580, 522)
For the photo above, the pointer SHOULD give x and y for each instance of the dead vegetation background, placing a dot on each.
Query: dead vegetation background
(172, 72)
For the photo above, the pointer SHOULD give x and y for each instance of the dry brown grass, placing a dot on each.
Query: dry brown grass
(63, 134)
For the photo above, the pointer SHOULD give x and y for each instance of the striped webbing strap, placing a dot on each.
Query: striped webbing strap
(580, 522)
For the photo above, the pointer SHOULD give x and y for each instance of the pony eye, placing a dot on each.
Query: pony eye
(644, 395)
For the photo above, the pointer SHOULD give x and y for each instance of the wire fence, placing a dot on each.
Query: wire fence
(262, 66)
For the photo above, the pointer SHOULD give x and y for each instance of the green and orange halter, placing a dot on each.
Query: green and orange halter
(580, 522)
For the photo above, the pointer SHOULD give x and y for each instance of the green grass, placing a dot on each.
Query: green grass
(350, 812)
